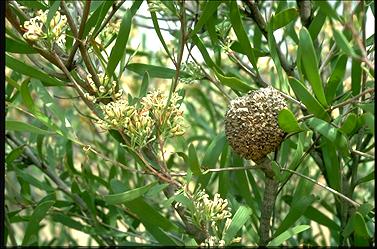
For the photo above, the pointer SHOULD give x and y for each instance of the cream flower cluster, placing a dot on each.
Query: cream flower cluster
(136, 123)
(139, 122)
(111, 29)
(208, 210)
(106, 89)
(193, 71)
(36, 28)
(212, 241)
(165, 112)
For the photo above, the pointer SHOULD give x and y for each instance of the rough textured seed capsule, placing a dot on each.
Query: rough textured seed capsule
(251, 123)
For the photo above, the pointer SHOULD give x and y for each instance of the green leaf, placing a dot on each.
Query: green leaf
(33, 181)
(276, 169)
(233, 82)
(349, 124)
(71, 223)
(100, 10)
(342, 43)
(332, 165)
(297, 210)
(368, 119)
(315, 215)
(239, 219)
(287, 121)
(330, 132)
(284, 17)
(153, 71)
(213, 151)
(144, 85)
(310, 65)
(51, 104)
(148, 215)
(101, 16)
(18, 47)
(14, 154)
(120, 44)
(308, 100)
(32, 228)
(355, 76)
(13, 125)
(193, 161)
(235, 19)
(236, 46)
(26, 97)
(207, 58)
(288, 234)
(51, 12)
(366, 178)
(31, 71)
(209, 9)
(273, 50)
(359, 225)
(317, 24)
(367, 107)
(127, 196)
(326, 8)
(336, 78)
(36, 5)
(158, 31)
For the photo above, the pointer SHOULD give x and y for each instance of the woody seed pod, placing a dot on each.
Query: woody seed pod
(251, 123)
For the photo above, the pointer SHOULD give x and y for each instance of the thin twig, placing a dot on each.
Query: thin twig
(259, 20)
(349, 101)
(108, 18)
(82, 48)
(183, 39)
(356, 152)
(323, 186)
(79, 34)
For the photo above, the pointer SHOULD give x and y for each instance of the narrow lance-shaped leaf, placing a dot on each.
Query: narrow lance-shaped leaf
(308, 100)
(330, 132)
(121, 42)
(342, 43)
(317, 24)
(239, 219)
(287, 121)
(13, 125)
(128, 195)
(209, 9)
(310, 65)
(193, 161)
(153, 71)
(284, 17)
(296, 211)
(233, 83)
(32, 228)
(22, 68)
(235, 19)
(336, 78)
(213, 151)
(18, 47)
(288, 234)
(144, 85)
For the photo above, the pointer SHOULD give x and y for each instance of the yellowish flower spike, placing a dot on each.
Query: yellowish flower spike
(36, 28)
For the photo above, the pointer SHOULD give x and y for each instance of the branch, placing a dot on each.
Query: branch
(83, 50)
(183, 39)
(323, 186)
(79, 34)
(259, 20)
(349, 101)
(108, 18)
(305, 10)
